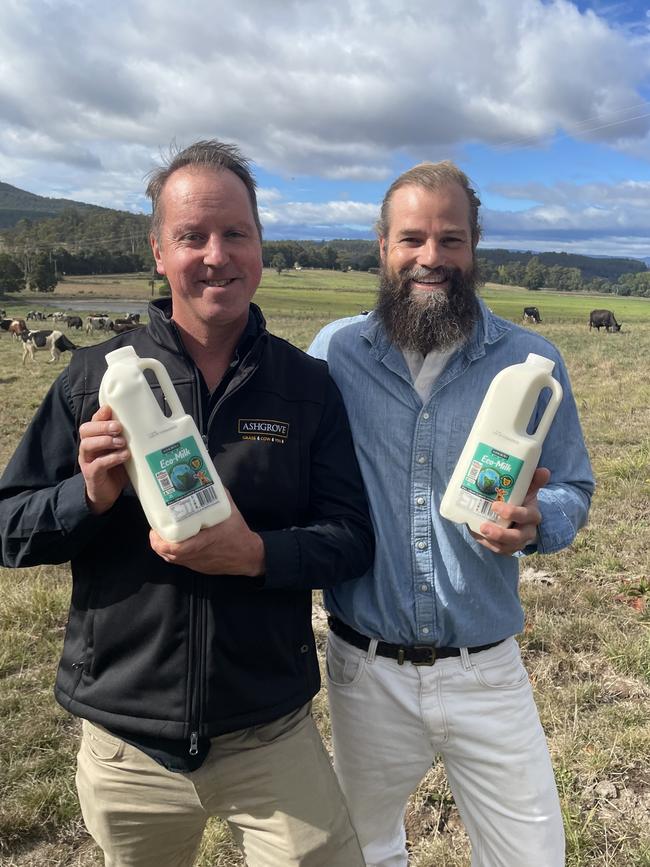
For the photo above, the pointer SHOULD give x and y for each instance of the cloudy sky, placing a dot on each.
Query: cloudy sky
(546, 105)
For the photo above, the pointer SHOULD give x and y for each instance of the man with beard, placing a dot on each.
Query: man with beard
(422, 658)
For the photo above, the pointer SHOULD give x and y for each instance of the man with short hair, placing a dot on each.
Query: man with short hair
(421, 652)
(193, 664)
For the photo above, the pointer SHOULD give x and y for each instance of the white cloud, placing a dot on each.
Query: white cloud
(307, 88)
(343, 213)
(612, 219)
(90, 93)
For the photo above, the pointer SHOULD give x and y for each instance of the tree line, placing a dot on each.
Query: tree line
(534, 275)
(38, 254)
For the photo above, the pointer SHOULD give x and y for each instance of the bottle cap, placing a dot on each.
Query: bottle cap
(124, 353)
(539, 361)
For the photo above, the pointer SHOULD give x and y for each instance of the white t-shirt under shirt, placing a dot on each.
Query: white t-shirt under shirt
(425, 369)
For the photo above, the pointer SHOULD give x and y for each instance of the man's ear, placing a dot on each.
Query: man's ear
(155, 246)
(382, 249)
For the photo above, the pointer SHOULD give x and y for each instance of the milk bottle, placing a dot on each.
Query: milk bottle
(500, 457)
(170, 468)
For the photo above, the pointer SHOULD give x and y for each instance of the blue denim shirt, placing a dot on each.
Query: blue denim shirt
(431, 582)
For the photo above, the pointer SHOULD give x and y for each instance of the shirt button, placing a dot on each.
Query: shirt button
(425, 415)
(421, 545)
(420, 501)
(425, 630)
(424, 587)
(422, 459)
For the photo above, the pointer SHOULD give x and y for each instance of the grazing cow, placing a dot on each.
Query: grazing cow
(54, 341)
(119, 326)
(17, 328)
(73, 322)
(5, 323)
(57, 317)
(134, 317)
(96, 323)
(35, 314)
(603, 319)
(531, 314)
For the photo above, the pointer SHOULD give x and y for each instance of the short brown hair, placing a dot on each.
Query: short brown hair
(432, 176)
(210, 154)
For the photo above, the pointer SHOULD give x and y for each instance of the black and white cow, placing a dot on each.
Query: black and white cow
(531, 314)
(46, 340)
(96, 323)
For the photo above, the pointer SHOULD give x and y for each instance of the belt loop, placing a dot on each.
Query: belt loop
(465, 660)
(372, 650)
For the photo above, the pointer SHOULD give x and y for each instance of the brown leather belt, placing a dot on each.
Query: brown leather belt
(417, 654)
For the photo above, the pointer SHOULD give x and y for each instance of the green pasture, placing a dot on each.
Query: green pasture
(586, 642)
(321, 295)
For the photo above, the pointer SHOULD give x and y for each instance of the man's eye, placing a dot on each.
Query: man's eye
(191, 236)
(453, 242)
(411, 240)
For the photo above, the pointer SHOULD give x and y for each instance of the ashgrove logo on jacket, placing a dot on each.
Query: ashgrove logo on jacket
(263, 430)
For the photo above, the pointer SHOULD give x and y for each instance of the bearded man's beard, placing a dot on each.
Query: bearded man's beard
(424, 321)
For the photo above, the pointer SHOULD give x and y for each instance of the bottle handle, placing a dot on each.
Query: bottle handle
(550, 409)
(165, 383)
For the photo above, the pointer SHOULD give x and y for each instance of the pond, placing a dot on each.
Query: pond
(88, 305)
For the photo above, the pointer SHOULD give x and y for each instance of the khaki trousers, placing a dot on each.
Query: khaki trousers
(273, 784)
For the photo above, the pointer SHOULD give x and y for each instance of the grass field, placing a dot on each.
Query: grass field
(586, 642)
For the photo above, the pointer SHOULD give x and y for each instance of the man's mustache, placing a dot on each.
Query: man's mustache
(421, 272)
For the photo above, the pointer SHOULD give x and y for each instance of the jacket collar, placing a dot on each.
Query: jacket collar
(163, 330)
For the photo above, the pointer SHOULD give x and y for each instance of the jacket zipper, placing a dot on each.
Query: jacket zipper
(198, 613)
(198, 666)
(235, 388)
(195, 668)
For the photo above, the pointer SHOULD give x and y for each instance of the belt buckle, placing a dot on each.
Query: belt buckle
(428, 650)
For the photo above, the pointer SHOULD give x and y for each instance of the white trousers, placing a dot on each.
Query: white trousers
(477, 711)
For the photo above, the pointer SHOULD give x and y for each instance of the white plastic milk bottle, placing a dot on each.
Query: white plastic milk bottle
(500, 457)
(170, 468)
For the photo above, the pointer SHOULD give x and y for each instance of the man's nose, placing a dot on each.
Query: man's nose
(215, 252)
(431, 254)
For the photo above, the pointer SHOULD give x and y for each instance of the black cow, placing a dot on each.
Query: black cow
(531, 314)
(74, 322)
(603, 319)
(119, 326)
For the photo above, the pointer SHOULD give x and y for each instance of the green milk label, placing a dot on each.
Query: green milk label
(490, 478)
(183, 479)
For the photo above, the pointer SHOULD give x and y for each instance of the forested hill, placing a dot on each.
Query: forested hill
(16, 205)
(78, 229)
(590, 267)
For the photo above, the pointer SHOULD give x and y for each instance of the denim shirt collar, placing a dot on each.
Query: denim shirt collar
(488, 329)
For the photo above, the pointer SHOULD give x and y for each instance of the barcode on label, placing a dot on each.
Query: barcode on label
(484, 507)
(164, 481)
(469, 500)
(474, 470)
(206, 496)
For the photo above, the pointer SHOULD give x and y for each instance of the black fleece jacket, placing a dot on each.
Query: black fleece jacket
(160, 650)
